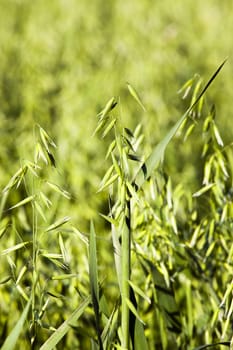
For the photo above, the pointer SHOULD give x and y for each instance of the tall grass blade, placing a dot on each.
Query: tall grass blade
(12, 338)
(65, 327)
(134, 310)
(93, 266)
(125, 276)
(140, 341)
(111, 327)
(93, 273)
(157, 153)
(225, 343)
(117, 255)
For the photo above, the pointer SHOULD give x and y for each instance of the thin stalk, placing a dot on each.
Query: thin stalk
(3, 202)
(34, 270)
(126, 268)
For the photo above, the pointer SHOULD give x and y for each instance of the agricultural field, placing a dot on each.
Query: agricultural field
(116, 175)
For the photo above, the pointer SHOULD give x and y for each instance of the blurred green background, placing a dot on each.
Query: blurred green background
(61, 61)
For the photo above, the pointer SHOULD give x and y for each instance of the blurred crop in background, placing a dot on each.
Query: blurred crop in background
(60, 62)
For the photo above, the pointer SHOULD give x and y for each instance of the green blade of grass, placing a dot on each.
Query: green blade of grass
(12, 338)
(93, 273)
(140, 341)
(110, 327)
(117, 255)
(125, 277)
(133, 310)
(226, 343)
(65, 326)
(157, 153)
(93, 266)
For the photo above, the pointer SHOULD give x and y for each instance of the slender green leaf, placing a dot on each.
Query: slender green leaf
(139, 291)
(5, 279)
(55, 338)
(109, 219)
(110, 327)
(157, 153)
(140, 341)
(117, 255)
(226, 343)
(93, 273)
(93, 264)
(133, 309)
(12, 338)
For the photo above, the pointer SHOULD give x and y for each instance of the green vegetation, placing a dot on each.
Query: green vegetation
(116, 213)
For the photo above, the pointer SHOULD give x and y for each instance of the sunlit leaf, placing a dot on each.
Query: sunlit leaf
(134, 311)
(157, 154)
(56, 337)
(11, 340)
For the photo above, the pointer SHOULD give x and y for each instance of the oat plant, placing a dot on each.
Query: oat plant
(26, 226)
(125, 180)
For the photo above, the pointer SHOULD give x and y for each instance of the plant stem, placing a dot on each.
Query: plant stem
(34, 271)
(126, 261)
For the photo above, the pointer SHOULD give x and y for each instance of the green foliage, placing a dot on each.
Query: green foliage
(153, 270)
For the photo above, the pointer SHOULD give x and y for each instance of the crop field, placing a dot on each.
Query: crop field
(116, 175)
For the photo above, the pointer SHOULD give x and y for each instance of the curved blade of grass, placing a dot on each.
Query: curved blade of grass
(139, 337)
(133, 310)
(226, 343)
(93, 273)
(117, 255)
(137, 290)
(93, 266)
(157, 153)
(110, 327)
(65, 327)
(12, 338)
(125, 277)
